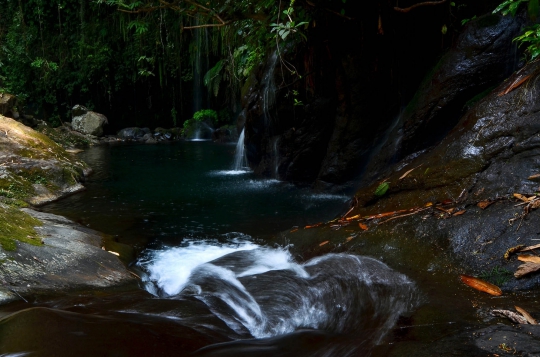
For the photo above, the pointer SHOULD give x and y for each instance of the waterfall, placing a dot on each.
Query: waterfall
(275, 153)
(240, 160)
(269, 87)
(200, 66)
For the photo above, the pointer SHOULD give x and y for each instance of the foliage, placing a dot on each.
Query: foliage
(206, 114)
(382, 189)
(497, 275)
(530, 38)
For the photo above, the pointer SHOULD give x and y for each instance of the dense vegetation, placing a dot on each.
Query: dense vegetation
(147, 63)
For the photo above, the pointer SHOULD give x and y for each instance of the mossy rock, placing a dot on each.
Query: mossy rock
(16, 225)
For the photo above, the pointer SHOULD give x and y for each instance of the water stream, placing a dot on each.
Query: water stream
(210, 283)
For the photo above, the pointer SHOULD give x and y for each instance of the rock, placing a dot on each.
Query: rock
(147, 137)
(7, 104)
(35, 168)
(523, 340)
(151, 141)
(90, 123)
(78, 110)
(70, 258)
(225, 134)
(131, 133)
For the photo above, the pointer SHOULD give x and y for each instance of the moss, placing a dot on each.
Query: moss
(66, 139)
(16, 225)
(15, 189)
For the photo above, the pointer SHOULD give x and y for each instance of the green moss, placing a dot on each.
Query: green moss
(16, 225)
(63, 137)
(14, 189)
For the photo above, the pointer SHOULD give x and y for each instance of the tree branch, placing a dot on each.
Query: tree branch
(427, 3)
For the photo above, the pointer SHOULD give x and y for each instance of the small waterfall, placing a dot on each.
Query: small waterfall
(240, 160)
(200, 66)
(269, 87)
(275, 154)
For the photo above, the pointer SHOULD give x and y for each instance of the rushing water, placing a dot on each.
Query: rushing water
(211, 286)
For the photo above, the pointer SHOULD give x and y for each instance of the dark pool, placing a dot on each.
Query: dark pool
(187, 190)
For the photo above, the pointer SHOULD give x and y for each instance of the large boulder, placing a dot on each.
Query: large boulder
(69, 256)
(133, 133)
(7, 105)
(90, 123)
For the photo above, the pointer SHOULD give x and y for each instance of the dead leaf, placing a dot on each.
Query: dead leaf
(521, 197)
(323, 243)
(363, 226)
(534, 177)
(481, 285)
(529, 258)
(531, 247)
(294, 230)
(408, 172)
(313, 226)
(510, 251)
(447, 202)
(429, 204)
(459, 213)
(519, 81)
(484, 204)
(518, 319)
(348, 239)
(353, 217)
(526, 315)
(115, 253)
(526, 268)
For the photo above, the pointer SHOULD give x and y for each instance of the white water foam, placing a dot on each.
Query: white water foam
(171, 268)
(229, 172)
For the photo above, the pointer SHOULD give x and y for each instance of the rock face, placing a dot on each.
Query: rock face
(492, 153)
(90, 123)
(70, 258)
(334, 136)
(40, 169)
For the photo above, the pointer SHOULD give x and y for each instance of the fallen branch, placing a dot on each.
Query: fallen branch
(518, 319)
(427, 3)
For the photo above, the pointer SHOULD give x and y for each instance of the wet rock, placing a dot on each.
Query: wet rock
(132, 133)
(90, 123)
(488, 156)
(522, 340)
(483, 56)
(225, 134)
(70, 257)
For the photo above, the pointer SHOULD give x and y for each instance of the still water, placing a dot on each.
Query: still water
(210, 286)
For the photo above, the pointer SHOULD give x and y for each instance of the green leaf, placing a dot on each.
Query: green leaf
(381, 190)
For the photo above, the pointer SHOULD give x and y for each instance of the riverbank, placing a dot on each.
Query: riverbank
(42, 252)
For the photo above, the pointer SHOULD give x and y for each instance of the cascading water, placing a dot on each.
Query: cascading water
(262, 293)
(268, 85)
(200, 65)
(240, 159)
(275, 154)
